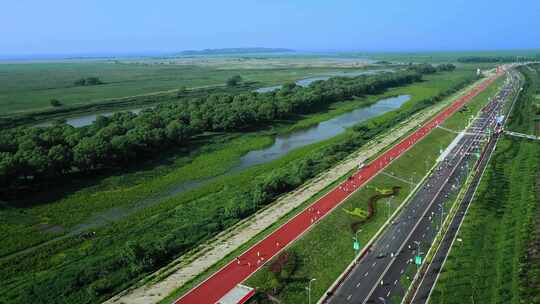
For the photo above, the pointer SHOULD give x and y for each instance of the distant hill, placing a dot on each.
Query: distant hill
(227, 51)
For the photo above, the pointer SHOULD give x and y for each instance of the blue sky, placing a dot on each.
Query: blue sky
(121, 26)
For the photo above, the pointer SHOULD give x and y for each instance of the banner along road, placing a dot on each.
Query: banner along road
(220, 283)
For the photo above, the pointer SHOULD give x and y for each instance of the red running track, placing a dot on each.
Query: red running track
(215, 287)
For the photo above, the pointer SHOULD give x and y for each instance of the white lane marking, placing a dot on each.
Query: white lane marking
(366, 274)
(374, 263)
(435, 197)
(349, 297)
(358, 285)
(388, 294)
(395, 282)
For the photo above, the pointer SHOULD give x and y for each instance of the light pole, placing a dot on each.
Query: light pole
(442, 215)
(418, 246)
(309, 289)
(419, 253)
(356, 234)
(356, 244)
(388, 202)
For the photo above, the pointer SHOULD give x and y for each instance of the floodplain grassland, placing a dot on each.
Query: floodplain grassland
(27, 87)
(85, 270)
(325, 251)
(448, 56)
(497, 258)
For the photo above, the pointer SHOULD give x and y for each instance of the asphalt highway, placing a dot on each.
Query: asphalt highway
(423, 291)
(376, 278)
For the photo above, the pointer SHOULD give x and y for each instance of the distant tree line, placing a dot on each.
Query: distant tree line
(88, 81)
(425, 68)
(30, 154)
(447, 67)
(495, 59)
(234, 81)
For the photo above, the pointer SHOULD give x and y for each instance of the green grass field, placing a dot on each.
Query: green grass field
(447, 56)
(30, 86)
(495, 259)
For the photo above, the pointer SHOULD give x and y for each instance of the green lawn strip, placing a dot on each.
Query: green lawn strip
(331, 249)
(406, 278)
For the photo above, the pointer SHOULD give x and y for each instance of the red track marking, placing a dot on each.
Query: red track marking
(216, 286)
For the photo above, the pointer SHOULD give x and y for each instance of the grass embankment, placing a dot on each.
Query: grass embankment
(326, 250)
(496, 261)
(89, 270)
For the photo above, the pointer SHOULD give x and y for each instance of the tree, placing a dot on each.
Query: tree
(60, 159)
(90, 152)
(93, 81)
(89, 81)
(55, 102)
(176, 131)
(80, 82)
(234, 81)
(446, 67)
(289, 86)
(181, 91)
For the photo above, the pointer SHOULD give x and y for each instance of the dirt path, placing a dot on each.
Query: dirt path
(163, 282)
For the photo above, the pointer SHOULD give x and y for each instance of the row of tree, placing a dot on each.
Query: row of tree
(88, 81)
(29, 154)
(430, 69)
(494, 59)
